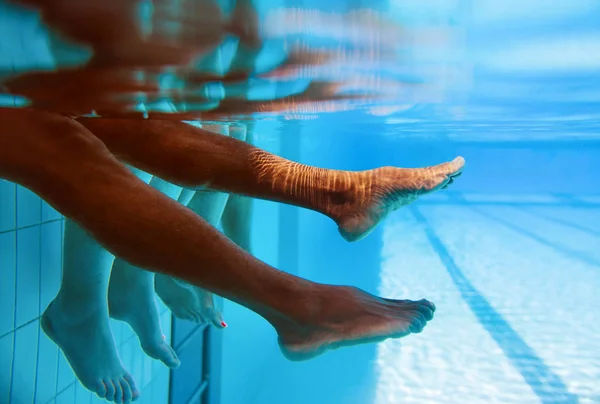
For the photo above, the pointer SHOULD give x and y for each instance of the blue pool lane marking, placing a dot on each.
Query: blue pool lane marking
(547, 385)
(557, 220)
(566, 251)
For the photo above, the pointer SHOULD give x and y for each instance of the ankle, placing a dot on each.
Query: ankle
(311, 312)
(342, 202)
(74, 310)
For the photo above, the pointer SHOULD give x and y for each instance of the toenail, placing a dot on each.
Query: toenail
(224, 324)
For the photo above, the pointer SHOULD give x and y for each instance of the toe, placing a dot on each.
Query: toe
(418, 323)
(169, 357)
(110, 390)
(215, 318)
(176, 362)
(451, 168)
(100, 389)
(197, 317)
(423, 307)
(118, 391)
(127, 394)
(428, 303)
(135, 393)
(426, 312)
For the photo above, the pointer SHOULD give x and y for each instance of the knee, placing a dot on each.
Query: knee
(31, 140)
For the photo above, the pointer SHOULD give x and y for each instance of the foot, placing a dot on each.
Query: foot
(88, 344)
(134, 303)
(389, 188)
(188, 302)
(348, 316)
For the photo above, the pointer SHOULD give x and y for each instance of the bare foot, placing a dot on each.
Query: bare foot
(131, 299)
(87, 343)
(348, 316)
(188, 302)
(386, 189)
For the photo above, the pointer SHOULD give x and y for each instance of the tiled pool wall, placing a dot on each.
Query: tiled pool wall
(32, 369)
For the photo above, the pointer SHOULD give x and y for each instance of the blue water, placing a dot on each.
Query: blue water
(510, 253)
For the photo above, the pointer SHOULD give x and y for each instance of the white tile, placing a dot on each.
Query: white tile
(128, 334)
(455, 359)
(47, 367)
(8, 268)
(142, 175)
(51, 262)
(97, 400)
(28, 275)
(161, 387)
(29, 207)
(82, 395)
(156, 368)
(147, 395)
(534, 286)
(49, 213)
(24, 363)
(170, 190)
(6, 359)
(186, 196)
(126, 352)
(137, 365)
(65, 373)
(117, 331)
(147, 371)
(8, 192)
(67, 396)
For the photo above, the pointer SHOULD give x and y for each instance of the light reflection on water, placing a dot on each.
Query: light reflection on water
(512, 65)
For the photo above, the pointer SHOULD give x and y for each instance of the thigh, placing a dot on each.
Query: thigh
(42, 143)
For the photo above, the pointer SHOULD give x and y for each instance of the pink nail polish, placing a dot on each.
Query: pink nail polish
(224, 324)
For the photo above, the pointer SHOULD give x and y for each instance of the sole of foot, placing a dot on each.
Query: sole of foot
(145, 323)
(89, 347)
(188, 302)
(131, 299)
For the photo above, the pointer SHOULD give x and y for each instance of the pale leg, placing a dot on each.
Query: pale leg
(184, 300)
(77, 320)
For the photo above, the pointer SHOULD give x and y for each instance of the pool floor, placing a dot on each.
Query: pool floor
(514, 279)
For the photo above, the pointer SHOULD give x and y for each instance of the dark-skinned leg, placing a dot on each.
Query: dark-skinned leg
(194, 157)
(71, 169)
(188, 301)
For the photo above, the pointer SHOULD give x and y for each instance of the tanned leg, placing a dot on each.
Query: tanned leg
(187, 301)
(71, 169)
(194, 157)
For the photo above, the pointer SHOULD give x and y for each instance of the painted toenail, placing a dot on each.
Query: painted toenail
(224, 324)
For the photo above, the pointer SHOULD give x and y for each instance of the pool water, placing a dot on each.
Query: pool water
(510, 253)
